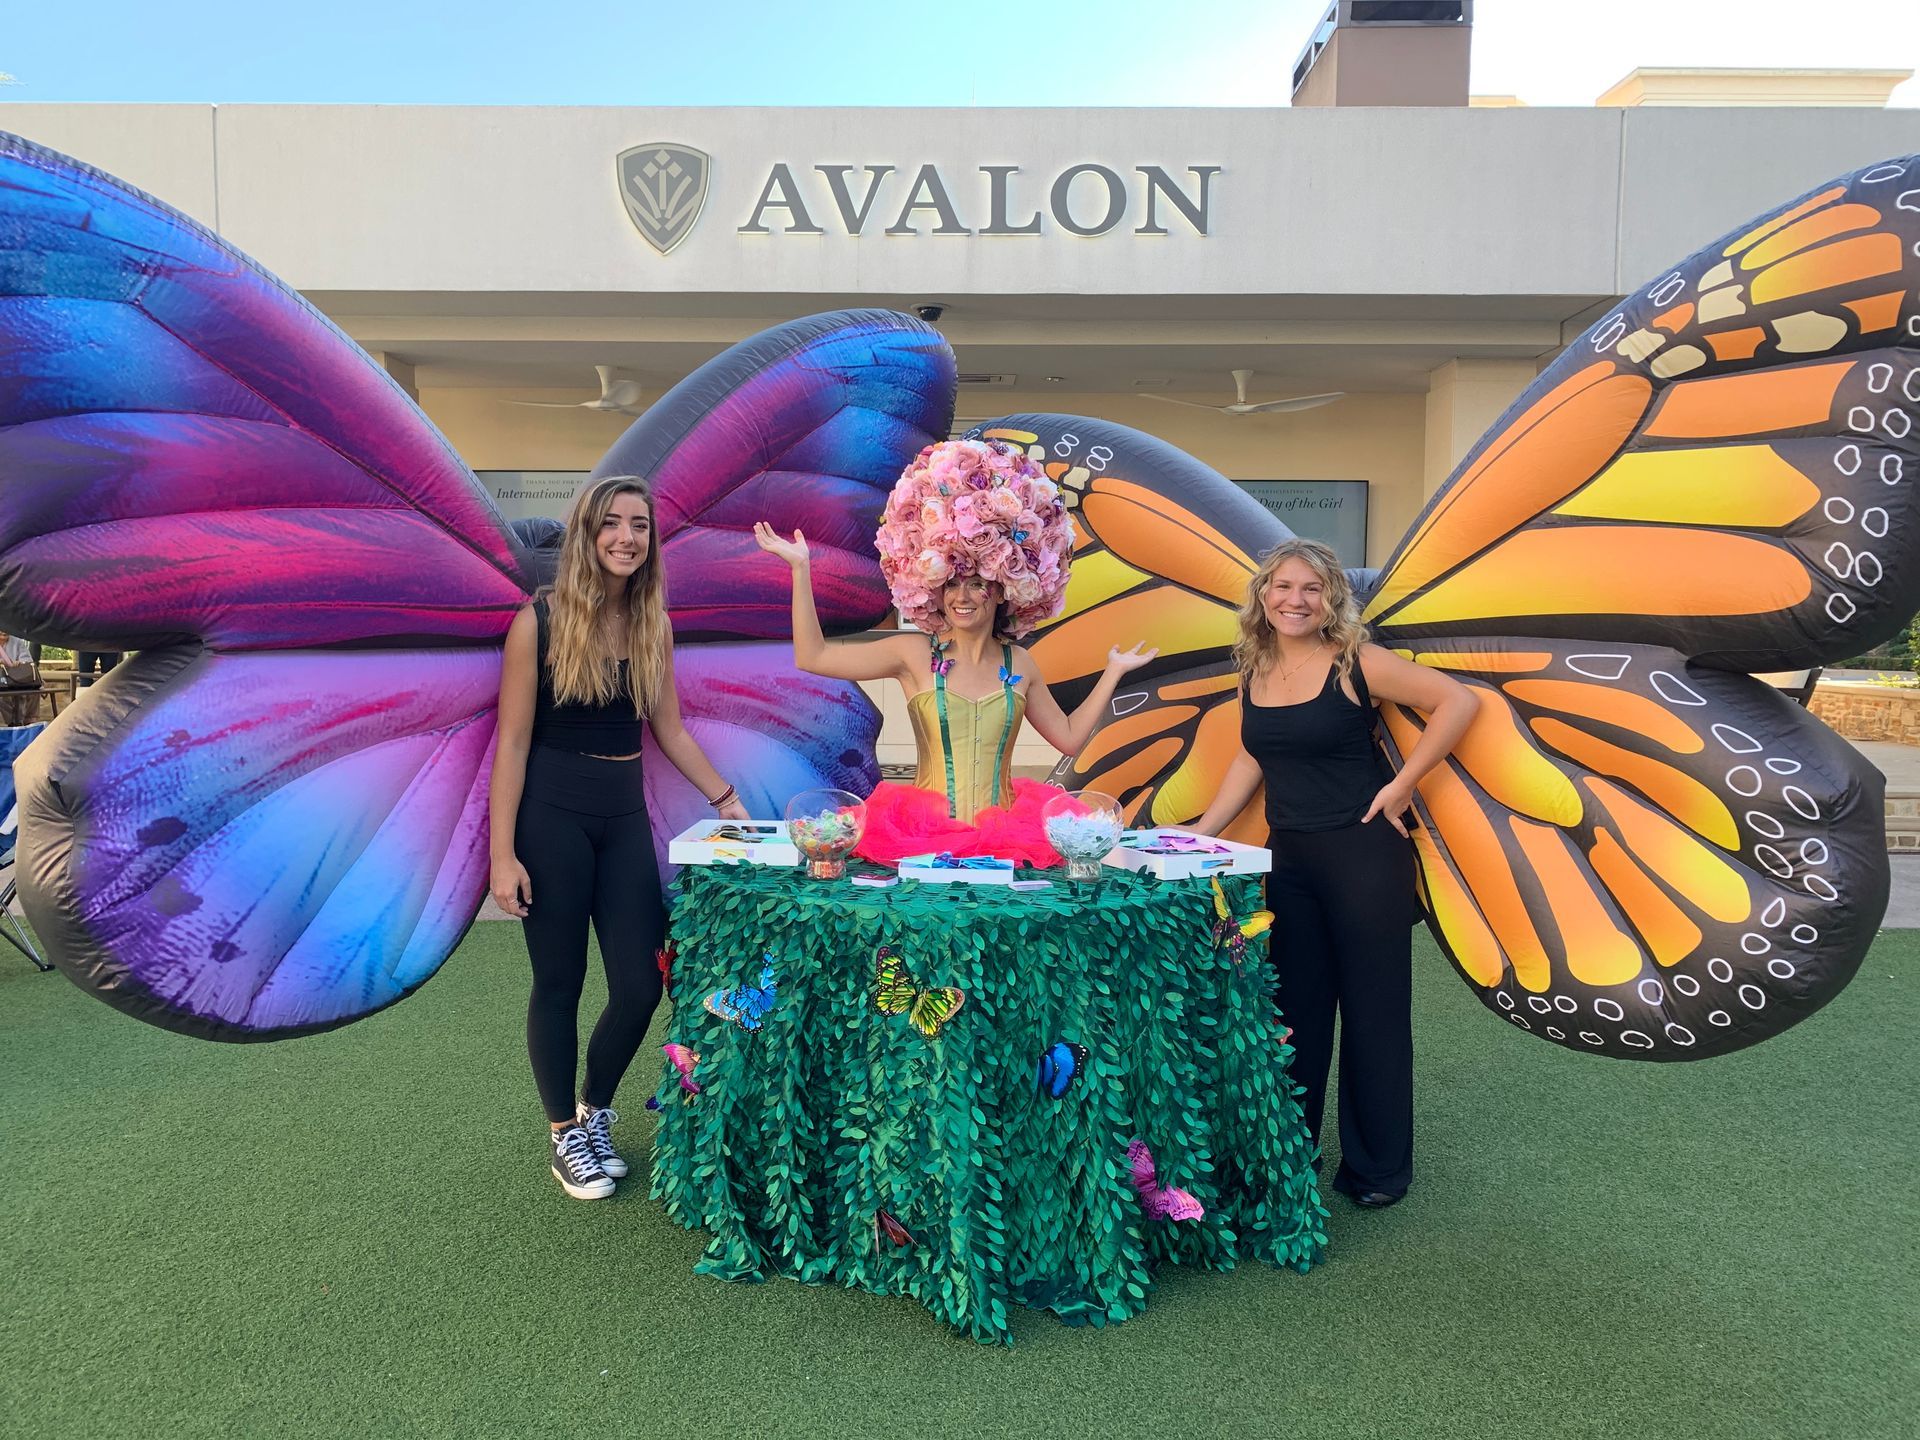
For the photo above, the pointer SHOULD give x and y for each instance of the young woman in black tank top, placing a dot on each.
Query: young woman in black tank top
(588, 669)
(1341, 890)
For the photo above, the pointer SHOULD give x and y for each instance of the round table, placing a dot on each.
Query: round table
(839, 1143)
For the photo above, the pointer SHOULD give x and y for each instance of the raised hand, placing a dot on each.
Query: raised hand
(793, 551)
(1125, 660)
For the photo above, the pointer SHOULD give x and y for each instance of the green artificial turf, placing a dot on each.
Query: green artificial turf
(357, 1234)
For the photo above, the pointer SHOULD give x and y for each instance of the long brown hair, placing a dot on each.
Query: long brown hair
(579, 662)
(1341, 628)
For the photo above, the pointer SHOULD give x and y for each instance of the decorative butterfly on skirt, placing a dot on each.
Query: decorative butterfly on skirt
(1061, 1067)
(1231, 934)
(684, 1060)
(894, 993)
(746, 1005)
(1160, 1203)
(887, 1230)
(273, 820)
(1638, 850)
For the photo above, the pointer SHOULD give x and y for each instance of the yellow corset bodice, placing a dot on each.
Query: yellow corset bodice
(976, 728)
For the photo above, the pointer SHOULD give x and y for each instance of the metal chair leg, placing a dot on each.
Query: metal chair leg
(14, 931)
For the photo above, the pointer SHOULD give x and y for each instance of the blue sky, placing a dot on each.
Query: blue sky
(869, 52)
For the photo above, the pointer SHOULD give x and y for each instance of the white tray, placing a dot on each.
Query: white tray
(1232, 858)
(767, 844)
(920, 867)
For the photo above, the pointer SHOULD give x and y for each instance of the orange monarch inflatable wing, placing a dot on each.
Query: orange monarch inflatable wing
(1638, 850)
(1163, 549)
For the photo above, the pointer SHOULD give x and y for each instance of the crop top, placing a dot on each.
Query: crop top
(614, 728)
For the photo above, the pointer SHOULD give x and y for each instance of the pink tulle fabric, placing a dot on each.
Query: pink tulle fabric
(905, 820)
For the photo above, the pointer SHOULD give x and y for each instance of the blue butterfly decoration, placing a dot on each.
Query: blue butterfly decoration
(745, 1005)
(947, 860)
(1008, 678)
(1064, 1063)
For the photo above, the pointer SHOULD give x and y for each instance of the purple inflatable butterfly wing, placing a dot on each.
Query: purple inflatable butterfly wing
(806, 426)
(769, 729)
(196, 464)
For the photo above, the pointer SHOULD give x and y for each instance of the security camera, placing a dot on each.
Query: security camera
(930, 313)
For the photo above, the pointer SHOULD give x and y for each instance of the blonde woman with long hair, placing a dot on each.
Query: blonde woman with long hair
(589, 669)
(1341, 890)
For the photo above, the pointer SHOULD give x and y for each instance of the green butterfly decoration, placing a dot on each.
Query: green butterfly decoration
(894, 993)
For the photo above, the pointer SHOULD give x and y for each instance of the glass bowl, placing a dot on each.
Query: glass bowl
(1084, 826)
(825, 825)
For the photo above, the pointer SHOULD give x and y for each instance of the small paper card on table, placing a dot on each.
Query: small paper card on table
(1180, 854)
(733, 842)
(951, 870)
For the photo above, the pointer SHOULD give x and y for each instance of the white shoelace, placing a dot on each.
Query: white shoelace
(600, 1129)
(575, 1149)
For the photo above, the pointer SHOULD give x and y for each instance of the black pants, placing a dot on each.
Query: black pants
(1343, 908)
(583, 835)
(86, 662)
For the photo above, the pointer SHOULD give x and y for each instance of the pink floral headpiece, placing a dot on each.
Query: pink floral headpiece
(975, 507)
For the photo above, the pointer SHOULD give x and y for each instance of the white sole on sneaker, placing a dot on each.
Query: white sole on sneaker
(590, 1191)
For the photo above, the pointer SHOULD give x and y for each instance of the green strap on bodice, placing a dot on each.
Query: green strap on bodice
(946, 735)
(1006, 731)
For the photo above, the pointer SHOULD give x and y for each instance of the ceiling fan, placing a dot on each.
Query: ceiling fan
(619, 395)
(1267, 407)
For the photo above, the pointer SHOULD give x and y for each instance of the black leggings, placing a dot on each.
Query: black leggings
(1343, 909)
(583, 835)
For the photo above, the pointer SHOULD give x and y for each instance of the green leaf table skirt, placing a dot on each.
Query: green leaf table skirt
(993, 1191)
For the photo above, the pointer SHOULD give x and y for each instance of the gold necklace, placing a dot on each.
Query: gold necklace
(1313, 654)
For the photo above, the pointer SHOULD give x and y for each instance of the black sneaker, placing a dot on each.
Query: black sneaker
(575, 1168)
(598, 1122)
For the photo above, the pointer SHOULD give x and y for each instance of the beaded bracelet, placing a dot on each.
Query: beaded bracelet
(724, 797)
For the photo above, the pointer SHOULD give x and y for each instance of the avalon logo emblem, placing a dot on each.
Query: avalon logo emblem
(664, 187)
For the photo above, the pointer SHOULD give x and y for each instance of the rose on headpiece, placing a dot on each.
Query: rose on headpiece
(956, 510)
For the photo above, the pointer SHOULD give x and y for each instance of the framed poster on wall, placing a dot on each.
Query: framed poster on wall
(522, 494)
(1334, 511)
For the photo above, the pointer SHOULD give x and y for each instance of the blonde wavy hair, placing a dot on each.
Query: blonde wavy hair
(580, 664)
(1257, 646)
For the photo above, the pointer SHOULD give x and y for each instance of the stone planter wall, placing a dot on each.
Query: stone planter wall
(1869, 712)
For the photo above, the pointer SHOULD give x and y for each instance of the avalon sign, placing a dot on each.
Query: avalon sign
(665, 185)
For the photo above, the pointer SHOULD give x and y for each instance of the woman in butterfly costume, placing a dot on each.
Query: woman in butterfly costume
(587, 677)
(273, 820)
(975, 548)
(1637, 850)
(1308, 685)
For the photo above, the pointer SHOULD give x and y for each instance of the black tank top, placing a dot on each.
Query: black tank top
(1318, 758)
(614, 728)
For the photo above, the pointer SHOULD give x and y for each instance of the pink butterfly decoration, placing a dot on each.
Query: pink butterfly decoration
(1169, 1203)
(684, 1060)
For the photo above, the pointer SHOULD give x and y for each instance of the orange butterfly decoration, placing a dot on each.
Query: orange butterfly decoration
(1163, 549)
(1638, 850)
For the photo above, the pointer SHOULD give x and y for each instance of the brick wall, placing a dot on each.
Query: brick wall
(1869, 712)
